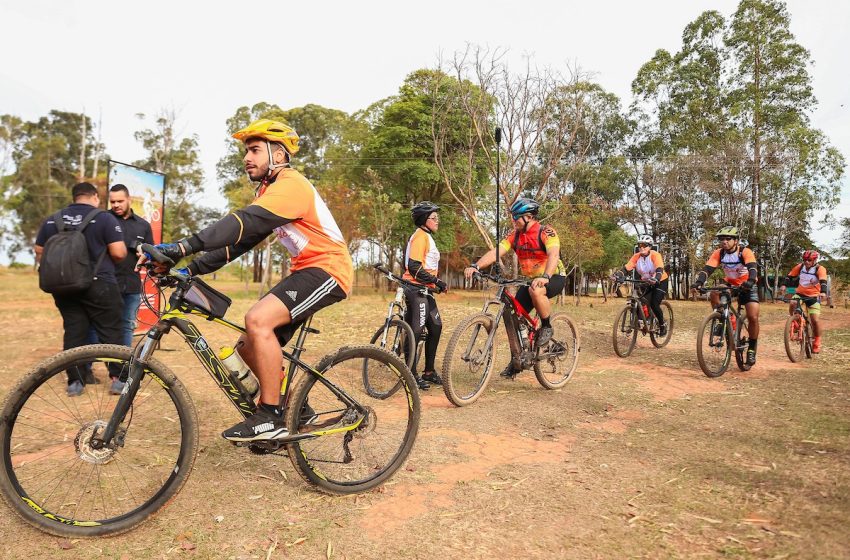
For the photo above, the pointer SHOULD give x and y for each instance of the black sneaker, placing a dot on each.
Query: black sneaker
(432, 378)
(751, 357)
(662, 329)
(544, 335)
(260, 426)
(421, 383)
(508, 372)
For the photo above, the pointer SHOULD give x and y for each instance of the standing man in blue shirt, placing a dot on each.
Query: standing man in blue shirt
(137, 230)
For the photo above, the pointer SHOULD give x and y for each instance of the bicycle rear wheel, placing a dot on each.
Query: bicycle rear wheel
(661, 341)
(714, 345)
(795, 338)
(351, 450)
(558, 358)
(396, 338)
(52, 476)
(742, 342)
(624, 335)
(468, 363)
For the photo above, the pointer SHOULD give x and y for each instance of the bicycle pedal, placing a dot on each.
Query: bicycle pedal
(311, 330)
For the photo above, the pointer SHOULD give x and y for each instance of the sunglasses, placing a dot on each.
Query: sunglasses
(725, 238)
(434, 218)
(643, 244)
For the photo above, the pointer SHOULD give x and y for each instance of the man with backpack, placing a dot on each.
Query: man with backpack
(70, 248)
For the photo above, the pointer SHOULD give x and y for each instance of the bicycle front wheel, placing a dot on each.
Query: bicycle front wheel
(468, 363)
(661, 341)
(52, 475)
(714, 345)
(397, 338)
(625, 332)
(558, 358)
(347, 448)
(795, 338)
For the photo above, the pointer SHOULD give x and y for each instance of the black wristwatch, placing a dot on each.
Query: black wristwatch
(474, 265)
(546, 276)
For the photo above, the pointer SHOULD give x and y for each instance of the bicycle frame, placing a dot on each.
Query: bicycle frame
(176, 317)
(512, 320)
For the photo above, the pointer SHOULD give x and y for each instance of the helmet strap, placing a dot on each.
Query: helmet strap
(275, 166)
(426, 228)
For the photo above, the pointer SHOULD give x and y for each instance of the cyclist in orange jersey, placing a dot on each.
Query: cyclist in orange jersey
(740, 269)
(289, 206)
(649, 266)
(421, 263)
(810, 279)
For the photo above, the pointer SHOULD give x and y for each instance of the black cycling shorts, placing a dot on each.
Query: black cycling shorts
(304, 292)
(553, 288)
(748, 296)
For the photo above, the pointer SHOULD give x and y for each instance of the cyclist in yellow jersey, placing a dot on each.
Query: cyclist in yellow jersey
(322, 271)
(538, 250)
(740, 270)
(421, 264)
(810, 279)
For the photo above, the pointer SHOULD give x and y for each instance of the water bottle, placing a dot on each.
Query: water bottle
(234, 362)
(523, 332)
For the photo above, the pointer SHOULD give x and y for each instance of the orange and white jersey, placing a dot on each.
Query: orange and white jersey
(734, 264)
(810, 279)
(421, 248)
(313, 237)
(647, 266)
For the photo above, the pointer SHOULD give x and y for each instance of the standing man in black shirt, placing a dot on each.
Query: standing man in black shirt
(100, 304)
(137, 230)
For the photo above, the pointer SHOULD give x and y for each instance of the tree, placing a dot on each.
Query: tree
(771, 86)
(178, 159)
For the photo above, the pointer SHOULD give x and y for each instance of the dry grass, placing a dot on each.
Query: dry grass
(643, 457)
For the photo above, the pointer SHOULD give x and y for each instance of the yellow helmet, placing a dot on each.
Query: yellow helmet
(272, 131)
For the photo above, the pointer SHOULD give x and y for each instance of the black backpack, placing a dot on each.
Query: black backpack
(65, 266)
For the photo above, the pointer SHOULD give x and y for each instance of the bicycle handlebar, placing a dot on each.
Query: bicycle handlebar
(388, 273)
(501, 281)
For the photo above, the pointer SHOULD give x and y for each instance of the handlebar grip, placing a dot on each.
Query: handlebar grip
(155, 255)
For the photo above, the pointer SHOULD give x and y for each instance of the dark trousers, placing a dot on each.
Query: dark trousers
(100, 308)
(422, 313)
(655, 295)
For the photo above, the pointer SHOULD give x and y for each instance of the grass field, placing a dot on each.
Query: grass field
(642, 457)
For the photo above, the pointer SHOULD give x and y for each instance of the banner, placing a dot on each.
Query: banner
(147, 199)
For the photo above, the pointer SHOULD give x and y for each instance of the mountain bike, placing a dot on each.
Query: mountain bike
(723, 331)
(396, 336)
(98, 464)
(637, 317)
(798, 333)
(471, 352)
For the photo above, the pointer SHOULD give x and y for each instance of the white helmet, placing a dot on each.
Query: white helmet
(645, 238)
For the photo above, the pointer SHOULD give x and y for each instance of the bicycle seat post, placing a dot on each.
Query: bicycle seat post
(302, 337)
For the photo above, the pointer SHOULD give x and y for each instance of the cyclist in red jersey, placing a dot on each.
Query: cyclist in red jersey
(538, 250)
(810, 279)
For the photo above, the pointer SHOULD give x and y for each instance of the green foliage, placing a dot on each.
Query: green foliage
(178, 159)
(46, 156)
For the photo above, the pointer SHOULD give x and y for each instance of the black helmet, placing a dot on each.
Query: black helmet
(422, 210)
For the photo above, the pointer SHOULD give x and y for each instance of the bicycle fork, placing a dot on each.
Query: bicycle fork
(134, 381)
